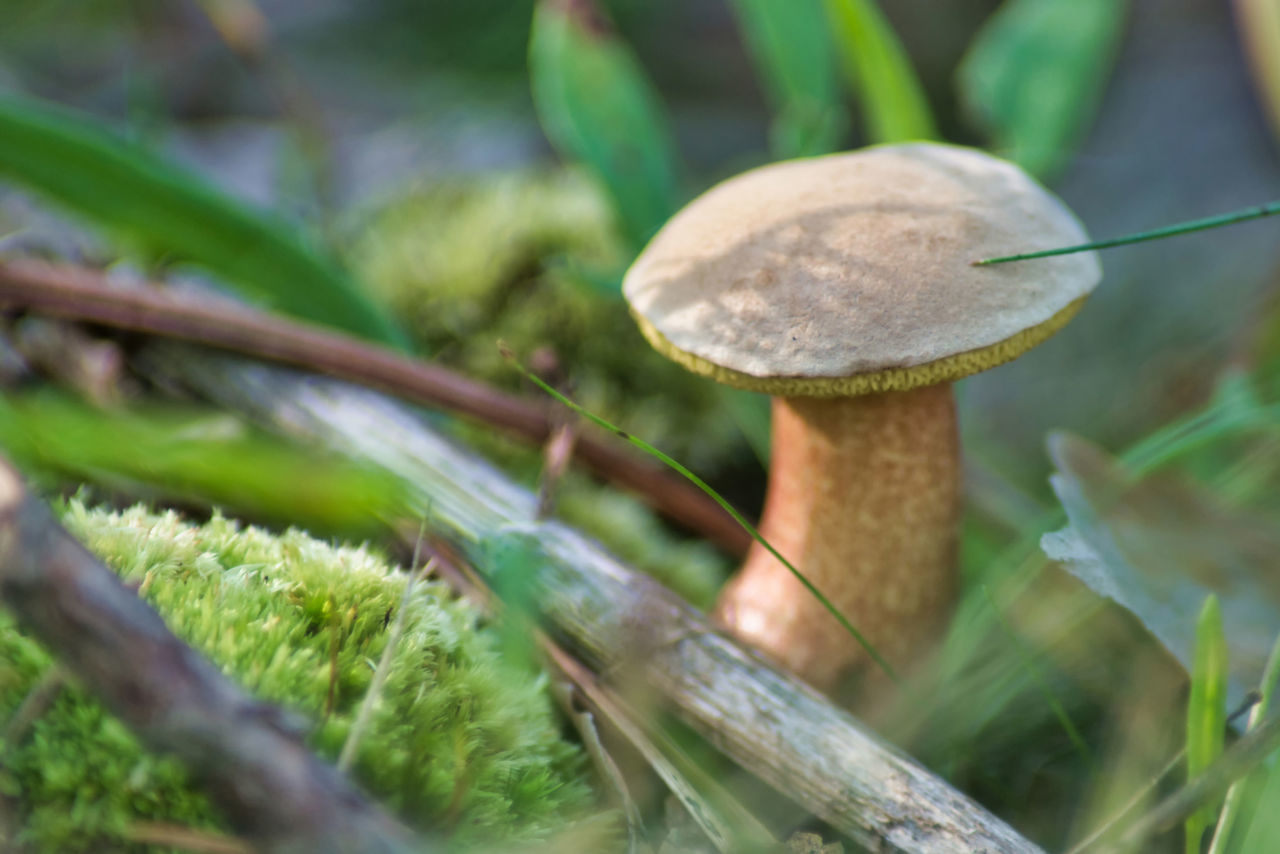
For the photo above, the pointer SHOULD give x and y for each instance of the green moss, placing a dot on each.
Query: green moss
(460, 741)
(532, 258)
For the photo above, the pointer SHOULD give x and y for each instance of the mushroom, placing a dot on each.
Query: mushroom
(842, 285)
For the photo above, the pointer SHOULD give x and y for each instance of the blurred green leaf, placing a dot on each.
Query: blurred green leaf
(1247, 788)
(597, 106)
(1035, 74)
(1206, 710)
(795, 58)
(880, 70)
(1263, 833)
(197, 457)
(164, 210)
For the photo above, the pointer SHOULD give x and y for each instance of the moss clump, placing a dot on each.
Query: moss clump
(459, 741)
(532, 258)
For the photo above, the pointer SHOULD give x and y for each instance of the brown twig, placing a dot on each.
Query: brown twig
(85, 295)
(247, 755)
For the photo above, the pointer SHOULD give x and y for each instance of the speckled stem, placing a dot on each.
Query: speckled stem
(863, 499)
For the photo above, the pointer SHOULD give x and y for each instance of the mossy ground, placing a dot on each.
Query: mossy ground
(461, 742)
(532, 258)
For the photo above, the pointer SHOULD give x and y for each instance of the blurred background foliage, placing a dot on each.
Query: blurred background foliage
(442, 174)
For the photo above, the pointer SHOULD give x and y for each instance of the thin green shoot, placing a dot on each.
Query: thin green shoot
(1245, 215)
(352, 744)
(1206, 711)
(680, 469)
(1235, 795)
(1055, 705)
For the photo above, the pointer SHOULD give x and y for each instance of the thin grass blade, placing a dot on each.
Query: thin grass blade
(881, 73)
(1206, 711)
(1244, 215)
(198, 458)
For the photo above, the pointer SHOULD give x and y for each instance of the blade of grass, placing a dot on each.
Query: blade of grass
(880, 72)
(1263, 834)
(793, 54)
(1243, 215)
(684, 472)
(167, 212)
(1206, 711)
(1235, 795)
(196, 457)
(598, 107)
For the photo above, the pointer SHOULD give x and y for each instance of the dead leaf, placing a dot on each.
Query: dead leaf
(1159, 545)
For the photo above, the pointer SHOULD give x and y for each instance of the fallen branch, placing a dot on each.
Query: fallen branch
(249, 759)
(618, 621)
(78, 293)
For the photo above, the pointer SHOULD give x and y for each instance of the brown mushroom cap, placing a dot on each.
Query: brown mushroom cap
(850, 273)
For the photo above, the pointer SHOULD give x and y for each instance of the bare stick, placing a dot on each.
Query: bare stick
(82, 294)
(249, 758)
(618, 621)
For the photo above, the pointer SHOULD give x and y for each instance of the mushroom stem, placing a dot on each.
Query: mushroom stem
(864, 500)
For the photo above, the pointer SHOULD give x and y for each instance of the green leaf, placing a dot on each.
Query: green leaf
(793, 54)
(1035, 74)
(1206, 710)
(166, 211)
(199, 458)
(597, 106)
(881, 73)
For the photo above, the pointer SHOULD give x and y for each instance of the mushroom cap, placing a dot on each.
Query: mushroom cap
(851, 273)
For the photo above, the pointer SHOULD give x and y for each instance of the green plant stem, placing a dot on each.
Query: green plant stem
(1206, 710)
(683, 471)
(1235, 795)
(1269, 209)
(349, 747)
